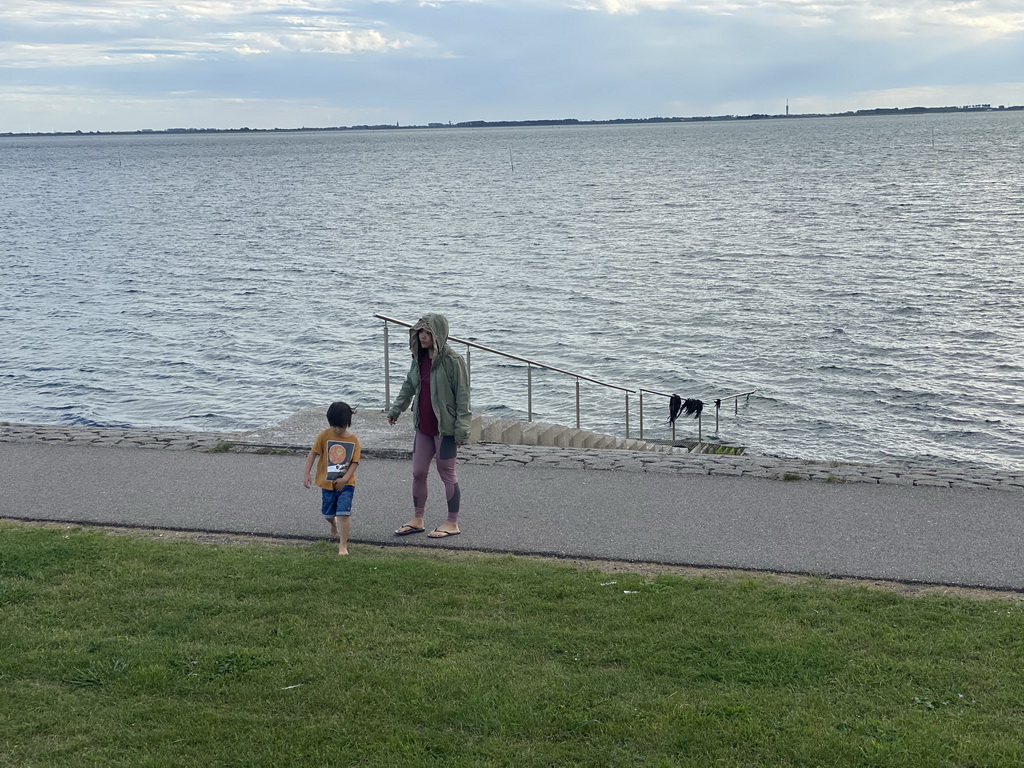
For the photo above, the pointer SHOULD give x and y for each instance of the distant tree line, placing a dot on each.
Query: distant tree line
(542, 123)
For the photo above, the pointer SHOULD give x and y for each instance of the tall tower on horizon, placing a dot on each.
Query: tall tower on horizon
(787, 107)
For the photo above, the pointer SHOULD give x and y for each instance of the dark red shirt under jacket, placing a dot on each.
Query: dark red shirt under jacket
(428, 420)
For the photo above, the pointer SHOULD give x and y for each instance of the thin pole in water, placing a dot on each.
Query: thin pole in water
(510, 163)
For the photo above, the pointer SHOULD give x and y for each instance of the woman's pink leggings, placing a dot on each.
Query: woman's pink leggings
(423, 450)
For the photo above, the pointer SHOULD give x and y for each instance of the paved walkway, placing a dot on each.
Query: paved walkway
(734, 512)
(383, 441)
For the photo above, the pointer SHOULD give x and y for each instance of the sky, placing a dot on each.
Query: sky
(113, 65)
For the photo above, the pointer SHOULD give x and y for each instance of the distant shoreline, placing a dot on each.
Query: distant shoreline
(538, 123)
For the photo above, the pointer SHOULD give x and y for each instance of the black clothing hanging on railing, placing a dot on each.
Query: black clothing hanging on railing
(677, 405)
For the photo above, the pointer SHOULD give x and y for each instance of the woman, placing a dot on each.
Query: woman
(439, 380)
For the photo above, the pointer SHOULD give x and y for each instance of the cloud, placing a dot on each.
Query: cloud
(105, 13)
(864, 19)
(60, 34)
(70, 55)
(313, 35)
(312, 41)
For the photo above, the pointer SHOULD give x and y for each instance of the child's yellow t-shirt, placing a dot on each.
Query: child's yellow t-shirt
(335, 455)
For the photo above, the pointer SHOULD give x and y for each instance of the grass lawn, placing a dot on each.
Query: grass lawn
(135, 651)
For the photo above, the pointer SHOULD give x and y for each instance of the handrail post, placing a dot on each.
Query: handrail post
(469, 375)
(700, 431)
(529, 392)
(577, 403)
(387, 369)
(627, 416)
(641, 414)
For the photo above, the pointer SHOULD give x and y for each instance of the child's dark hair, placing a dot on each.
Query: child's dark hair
(340, 415)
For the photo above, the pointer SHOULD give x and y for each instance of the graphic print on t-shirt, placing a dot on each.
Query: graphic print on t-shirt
(339, 456)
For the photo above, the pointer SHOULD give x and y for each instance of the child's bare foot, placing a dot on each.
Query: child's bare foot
(342, 551)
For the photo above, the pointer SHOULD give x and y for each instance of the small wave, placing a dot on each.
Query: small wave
(847, 369)
(77, 420)
(502, 411)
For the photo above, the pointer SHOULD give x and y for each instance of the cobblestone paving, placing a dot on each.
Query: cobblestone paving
(489, 454)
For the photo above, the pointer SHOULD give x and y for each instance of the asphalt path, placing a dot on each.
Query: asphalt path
(910, 534)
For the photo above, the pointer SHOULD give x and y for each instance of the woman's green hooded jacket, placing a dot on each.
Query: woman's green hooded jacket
(449, 381)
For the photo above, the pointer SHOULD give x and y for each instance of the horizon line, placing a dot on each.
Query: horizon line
(535, 123)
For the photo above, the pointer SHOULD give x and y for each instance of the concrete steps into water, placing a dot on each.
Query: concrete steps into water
(514, 432)
(298, 431)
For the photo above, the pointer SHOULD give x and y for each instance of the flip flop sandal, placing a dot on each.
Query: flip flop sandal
(437, 533)
(405, 530)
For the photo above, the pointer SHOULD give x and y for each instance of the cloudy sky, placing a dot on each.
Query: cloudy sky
(153, 64)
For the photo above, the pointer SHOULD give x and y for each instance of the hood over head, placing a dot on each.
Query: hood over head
(437, 325)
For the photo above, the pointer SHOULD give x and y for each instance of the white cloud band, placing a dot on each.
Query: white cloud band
(62, 34)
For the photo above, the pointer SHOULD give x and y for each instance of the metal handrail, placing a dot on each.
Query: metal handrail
(530, 365)
(700, 431)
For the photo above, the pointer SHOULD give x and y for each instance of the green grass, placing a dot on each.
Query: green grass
(132, 651)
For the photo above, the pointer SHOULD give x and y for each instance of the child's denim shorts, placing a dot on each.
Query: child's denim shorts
(337, 502)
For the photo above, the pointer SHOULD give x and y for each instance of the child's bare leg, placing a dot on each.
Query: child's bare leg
(334, 527)
(343, 528)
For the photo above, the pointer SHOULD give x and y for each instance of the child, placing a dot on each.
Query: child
(338, 449)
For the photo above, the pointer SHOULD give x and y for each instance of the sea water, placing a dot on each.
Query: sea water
(861, 276)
